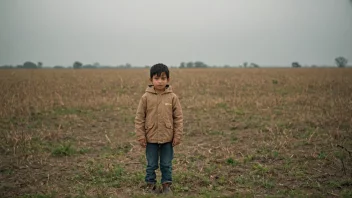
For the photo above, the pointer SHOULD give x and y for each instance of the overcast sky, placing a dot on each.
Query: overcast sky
(145, 32)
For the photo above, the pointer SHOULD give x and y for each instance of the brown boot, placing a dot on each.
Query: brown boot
(151, 188)
(166, 188)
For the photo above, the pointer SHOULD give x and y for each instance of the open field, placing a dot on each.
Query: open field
(253, 132)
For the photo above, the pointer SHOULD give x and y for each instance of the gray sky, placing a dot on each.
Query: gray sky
(145, 32)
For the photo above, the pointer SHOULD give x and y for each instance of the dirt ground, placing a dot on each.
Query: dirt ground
(247, 132)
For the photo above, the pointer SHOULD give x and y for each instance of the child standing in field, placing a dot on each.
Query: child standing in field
(159, 126)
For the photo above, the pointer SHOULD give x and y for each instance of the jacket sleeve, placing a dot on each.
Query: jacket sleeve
(178, 118)
(139, 121)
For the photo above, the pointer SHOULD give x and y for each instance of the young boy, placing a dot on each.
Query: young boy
(159, 126)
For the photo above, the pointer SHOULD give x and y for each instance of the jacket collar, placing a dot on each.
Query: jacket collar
(150, 89)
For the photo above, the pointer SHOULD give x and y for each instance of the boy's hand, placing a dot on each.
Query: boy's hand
(175, 142)
(143, 143)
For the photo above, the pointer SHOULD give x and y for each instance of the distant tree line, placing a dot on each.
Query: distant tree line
(200, 64)
(75, 65)
(26, 65)
(339, 61)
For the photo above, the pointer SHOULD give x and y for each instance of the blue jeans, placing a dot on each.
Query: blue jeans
(166, 154)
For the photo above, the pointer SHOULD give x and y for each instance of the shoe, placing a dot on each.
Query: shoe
(151, 188)
(166, 188)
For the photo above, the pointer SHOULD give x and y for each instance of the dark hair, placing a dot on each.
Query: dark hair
(158, 69)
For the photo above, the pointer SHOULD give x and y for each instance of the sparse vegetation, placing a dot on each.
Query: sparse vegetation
(248, 132)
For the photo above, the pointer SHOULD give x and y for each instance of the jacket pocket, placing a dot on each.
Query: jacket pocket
(168, 125)
(168, 132)
(148, 127)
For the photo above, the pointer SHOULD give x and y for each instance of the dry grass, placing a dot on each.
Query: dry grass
(255, 132)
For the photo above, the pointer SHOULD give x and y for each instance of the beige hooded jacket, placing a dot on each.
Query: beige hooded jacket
(159, 117)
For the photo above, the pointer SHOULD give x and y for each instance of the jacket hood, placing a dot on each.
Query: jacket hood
(150, 89)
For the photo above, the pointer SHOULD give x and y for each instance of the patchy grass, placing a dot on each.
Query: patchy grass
(263, 132)
(63, 150)
(36, 196)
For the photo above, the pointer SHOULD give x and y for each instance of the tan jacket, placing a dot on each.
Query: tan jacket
(159, 117)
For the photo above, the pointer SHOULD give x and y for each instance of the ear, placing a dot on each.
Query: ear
(168, 80)
(151, 79)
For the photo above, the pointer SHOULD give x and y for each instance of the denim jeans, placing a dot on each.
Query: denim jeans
(165, 152)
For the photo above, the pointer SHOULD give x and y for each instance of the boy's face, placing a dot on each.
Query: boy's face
(160, 82)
